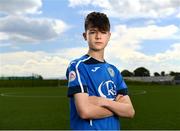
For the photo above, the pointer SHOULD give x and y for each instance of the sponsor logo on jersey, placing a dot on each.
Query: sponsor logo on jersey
(107, 89)
(72, 76)
(95, 69)
(111, 71)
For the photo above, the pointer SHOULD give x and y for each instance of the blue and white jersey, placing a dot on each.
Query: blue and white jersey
(88, 75)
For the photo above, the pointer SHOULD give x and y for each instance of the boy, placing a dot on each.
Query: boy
(97, 91)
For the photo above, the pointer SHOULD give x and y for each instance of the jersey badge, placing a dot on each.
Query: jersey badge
(72, 76)
(111, 71)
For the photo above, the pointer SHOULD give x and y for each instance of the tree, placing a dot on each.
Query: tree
(156, 74)
(126, 73)
(141, 71)
(37, 76)
(162, 73)
(172, 73)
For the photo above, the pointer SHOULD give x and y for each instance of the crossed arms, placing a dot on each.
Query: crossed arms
(92, 107)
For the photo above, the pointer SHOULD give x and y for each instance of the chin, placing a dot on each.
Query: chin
(97, 49)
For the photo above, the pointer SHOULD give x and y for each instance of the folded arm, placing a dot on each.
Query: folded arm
(122, 106)
(87, 109)
(92, 107)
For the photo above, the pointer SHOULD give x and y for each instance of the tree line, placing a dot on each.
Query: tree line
(142, 71)
(32, 77)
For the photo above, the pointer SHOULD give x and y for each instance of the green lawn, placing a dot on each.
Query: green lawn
(34, 108)
(157, 107)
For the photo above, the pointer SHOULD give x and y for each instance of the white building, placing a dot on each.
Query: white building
(156, 79)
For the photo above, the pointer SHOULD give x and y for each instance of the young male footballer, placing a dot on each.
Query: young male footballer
(97, 91)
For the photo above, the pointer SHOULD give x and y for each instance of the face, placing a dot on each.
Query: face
(96, 39)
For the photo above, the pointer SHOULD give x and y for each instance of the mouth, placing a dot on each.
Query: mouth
(98, 43)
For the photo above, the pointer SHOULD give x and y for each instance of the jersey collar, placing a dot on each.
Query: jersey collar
(93, 60)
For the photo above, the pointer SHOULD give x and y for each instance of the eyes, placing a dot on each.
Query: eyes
(94, 32)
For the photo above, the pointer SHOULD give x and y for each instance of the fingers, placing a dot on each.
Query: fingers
(119, 96)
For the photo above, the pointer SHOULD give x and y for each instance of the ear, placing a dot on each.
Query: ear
(109, 35)
(84, 35)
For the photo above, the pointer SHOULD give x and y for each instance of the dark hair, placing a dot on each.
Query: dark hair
(97, 20)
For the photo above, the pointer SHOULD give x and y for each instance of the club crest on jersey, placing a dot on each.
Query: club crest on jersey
(111, 71)
(72, 76)
(107, 89)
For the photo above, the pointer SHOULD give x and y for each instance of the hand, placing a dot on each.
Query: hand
(122, 99)
(118, 98)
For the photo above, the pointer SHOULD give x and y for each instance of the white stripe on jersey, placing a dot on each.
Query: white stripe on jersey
(78, 75)
(90, 122)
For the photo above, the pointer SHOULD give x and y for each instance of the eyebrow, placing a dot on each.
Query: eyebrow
(93, 29)
(96, 29)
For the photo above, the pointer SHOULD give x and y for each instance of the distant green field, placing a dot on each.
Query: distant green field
(34, 108)
(157, 107)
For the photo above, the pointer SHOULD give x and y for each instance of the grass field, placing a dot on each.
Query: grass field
(34, 108)
(157, 107)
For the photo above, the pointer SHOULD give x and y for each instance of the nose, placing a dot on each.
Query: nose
(98, 35)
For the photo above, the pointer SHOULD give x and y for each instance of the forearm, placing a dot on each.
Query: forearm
(122, 108)
(87, 109)
(97, 112)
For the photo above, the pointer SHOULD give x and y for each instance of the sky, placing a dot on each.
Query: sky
(43, 36)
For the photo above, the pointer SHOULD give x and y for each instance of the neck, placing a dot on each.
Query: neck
(98, 55)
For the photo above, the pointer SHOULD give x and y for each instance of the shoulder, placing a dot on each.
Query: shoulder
(78, 62)
(113, 67)
(73, 67)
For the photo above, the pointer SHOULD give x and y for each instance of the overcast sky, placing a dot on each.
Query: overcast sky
(43, 36)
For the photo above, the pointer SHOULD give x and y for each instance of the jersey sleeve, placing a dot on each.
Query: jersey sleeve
(121, 85)
(76, 80)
